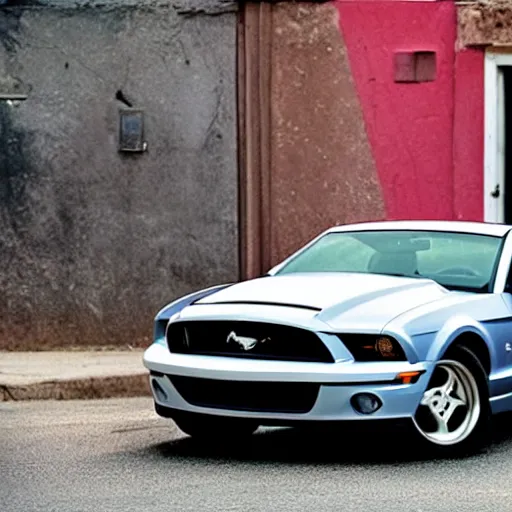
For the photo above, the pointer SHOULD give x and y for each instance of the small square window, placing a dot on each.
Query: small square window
(415, 66)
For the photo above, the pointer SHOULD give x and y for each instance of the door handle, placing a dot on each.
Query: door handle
(496, 191)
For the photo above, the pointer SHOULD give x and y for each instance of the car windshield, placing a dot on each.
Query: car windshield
(458, 261)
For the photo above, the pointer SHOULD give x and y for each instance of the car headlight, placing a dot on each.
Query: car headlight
(367, 347)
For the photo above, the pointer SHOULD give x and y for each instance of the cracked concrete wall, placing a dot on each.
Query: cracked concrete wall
(94, 242)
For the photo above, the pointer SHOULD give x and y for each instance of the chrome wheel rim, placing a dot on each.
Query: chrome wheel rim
(450, 407)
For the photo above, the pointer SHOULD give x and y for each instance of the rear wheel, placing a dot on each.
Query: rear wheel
(454, 413)
(214, 428)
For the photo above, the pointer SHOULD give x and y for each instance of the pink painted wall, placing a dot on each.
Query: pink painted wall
(426, 138)
(468, 138)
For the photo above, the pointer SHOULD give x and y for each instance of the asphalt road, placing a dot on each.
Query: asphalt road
(117, 455)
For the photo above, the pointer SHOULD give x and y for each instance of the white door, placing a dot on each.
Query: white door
(494, 156)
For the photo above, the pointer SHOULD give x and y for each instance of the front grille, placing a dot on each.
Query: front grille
(227, 339)
(286, 397)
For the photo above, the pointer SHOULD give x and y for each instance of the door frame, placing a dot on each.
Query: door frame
(494, 126)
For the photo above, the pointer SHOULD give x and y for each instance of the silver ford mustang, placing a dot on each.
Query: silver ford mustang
(408, 321)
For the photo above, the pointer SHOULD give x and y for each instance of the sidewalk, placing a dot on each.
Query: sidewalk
(72, 375)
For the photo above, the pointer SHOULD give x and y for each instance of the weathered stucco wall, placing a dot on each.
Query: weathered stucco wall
(480, 26)
(409, 124)
(468, 135)
(352, 141)
(344, 136)
(93, 242)
(323, 172)
(485, 22)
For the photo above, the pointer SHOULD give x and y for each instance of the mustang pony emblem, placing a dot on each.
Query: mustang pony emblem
(244, 342)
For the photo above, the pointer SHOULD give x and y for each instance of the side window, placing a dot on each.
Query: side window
(508, 283)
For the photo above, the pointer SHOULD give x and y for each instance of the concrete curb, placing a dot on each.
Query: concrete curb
(79, 389)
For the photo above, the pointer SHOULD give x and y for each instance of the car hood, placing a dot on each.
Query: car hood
(346, 301)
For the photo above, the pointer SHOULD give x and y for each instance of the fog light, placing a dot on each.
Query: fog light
(159, 392)
(366, 403)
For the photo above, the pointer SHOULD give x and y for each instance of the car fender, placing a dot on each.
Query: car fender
(452, 329)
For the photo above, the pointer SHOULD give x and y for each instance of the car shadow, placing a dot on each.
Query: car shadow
(502, 429)
(361, 446)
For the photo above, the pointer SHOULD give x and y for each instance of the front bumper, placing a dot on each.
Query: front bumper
(339, 382)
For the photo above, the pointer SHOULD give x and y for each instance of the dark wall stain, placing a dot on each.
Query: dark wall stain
(9, 28)
(16, 172)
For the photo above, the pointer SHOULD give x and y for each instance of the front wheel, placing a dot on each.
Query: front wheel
(454, 413)
(214, 428)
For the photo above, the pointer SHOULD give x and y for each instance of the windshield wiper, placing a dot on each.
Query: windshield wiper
(398, 274)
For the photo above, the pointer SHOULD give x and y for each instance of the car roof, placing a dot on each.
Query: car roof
(479, 228)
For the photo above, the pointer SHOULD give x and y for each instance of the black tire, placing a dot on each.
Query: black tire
(477, 439)
(206, 427)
